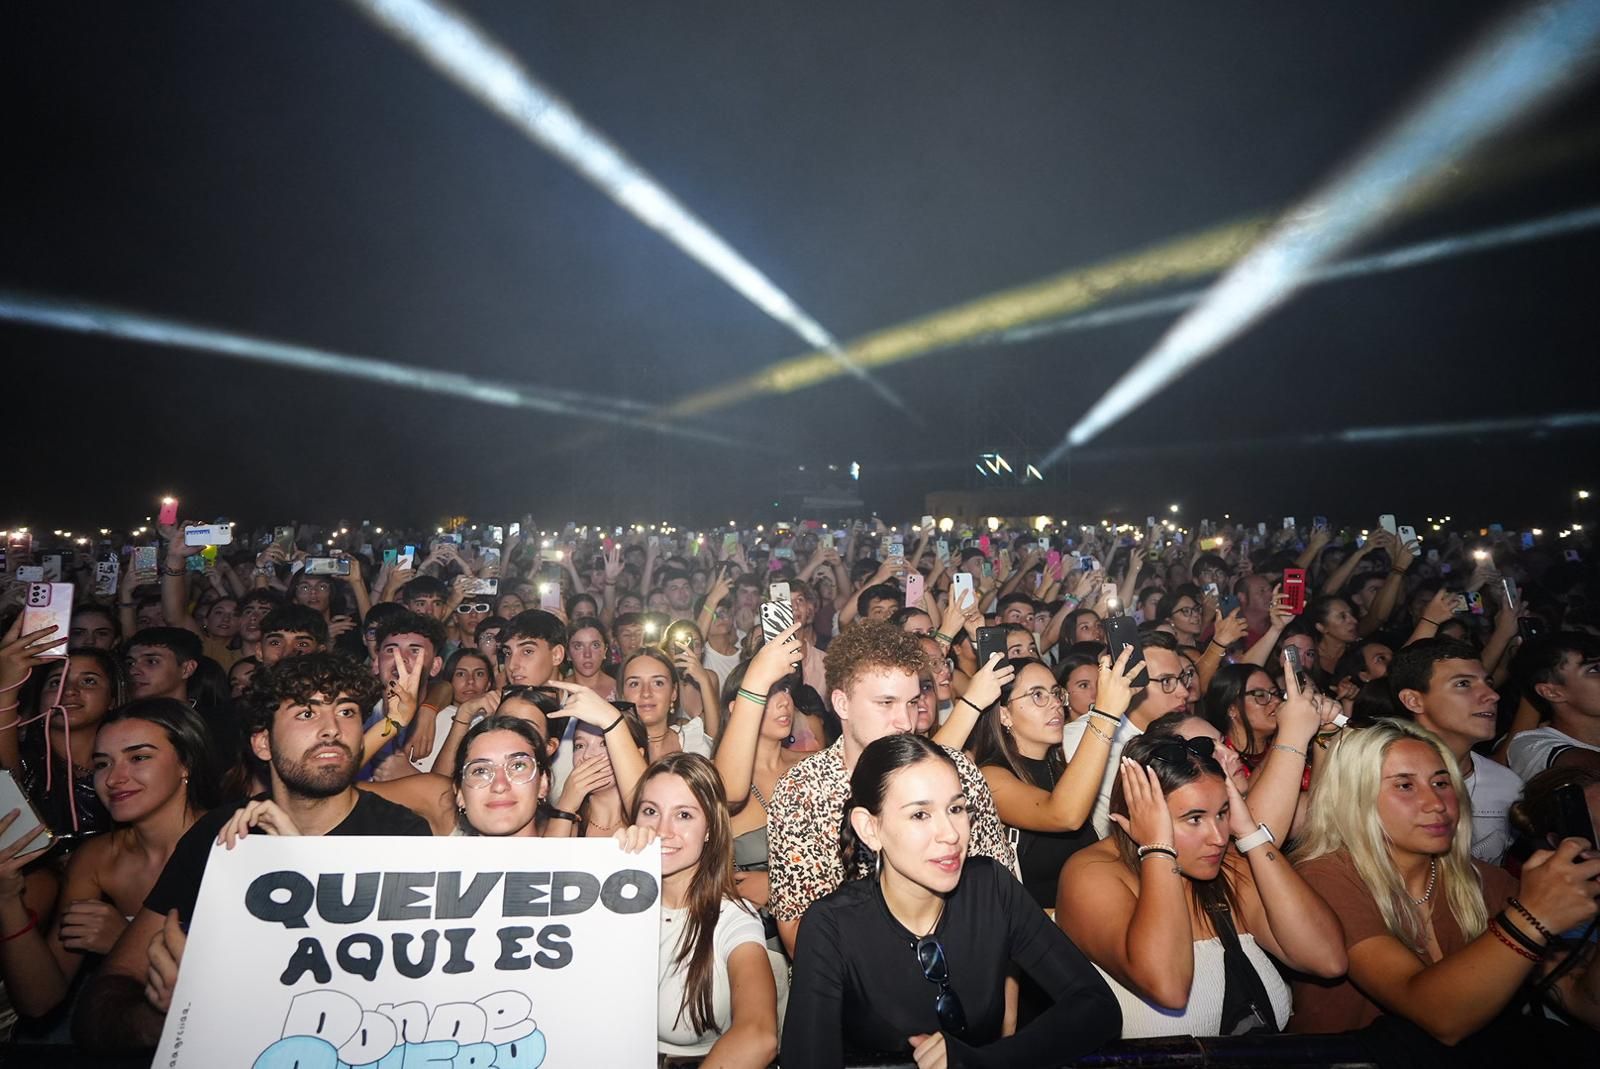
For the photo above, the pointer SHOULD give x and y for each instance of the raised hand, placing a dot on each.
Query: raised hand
(261, 814)
(1115, 689)
(1230, 628)
(590, 776)
(20, 654)
(988, 680)
(1149, 821)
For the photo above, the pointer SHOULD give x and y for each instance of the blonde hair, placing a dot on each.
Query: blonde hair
(1343, 815)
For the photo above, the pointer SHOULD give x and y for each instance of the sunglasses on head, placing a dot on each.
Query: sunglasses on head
(1174, 750)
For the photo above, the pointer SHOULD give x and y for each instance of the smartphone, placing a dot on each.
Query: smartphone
(927, 522)
(1123, 631)
(284, 537)
(1497, 528)
(549, 594)
(168, 515)
(52, 568)
(1407, 535)
(960, 586)
(1228, 603)
(48, 604)
(778, 592)
(1509, 586)
(1209, 544)
(942, 548)
(783, 553)
(1527, 539)
(327, 566)
(391, 555)
(1386, 521)
(144, 558)
(483, 586)
(497, 535)
(406, 558)
(915, 585)
(1289, 524)
(1294, 589)
(776, 616)
(1053, 559)
(730, 542)
(991, 640)
(1572, 814)
(209, 534)
(107, 570)
(490, 556)
(1319, 523)
(1291, 658)
(12, 797)
(30, 573)
(1211, 588)
(1472, 602)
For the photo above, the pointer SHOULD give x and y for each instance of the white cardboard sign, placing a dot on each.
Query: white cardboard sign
(419, 953)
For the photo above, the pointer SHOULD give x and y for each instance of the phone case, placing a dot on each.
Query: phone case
(991, 640)
(915, 584)
(12, 797)
(776, 616)
(1123, 631)
(46, 605)
(169, 512)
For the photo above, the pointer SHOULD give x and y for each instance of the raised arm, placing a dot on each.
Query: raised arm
(736, 747)
(627, 763)
(1389, 593)
(1278, 617)
(982, 691)
(175, 579)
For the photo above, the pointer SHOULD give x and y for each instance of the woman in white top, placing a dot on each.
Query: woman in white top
(1180, 924)
(718, 996)
(649, 680)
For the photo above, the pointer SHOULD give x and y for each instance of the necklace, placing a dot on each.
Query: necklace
(1433, 875)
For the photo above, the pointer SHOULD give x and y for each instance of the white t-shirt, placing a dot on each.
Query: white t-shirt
(1071, 735)
(721, 663)
(440, 730)
(735, 926)
(1531, 752)
(1492, 788)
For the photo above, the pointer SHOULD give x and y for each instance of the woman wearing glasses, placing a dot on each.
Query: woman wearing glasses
(912, 961)
(1040, 794)
(1180, 610)
(502, 777)
(1242, 703)
(1180, 924)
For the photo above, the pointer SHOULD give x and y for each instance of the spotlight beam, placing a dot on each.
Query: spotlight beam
(461, 51)
(1417, 255)
(85, 318)
(1543, 50)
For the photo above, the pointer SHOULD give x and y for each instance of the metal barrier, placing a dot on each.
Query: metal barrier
(1174, 1052)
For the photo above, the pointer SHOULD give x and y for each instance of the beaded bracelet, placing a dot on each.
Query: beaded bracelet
(942, 637)
(1522, 909)
(1515, 931)
(1157, 848)
(1498, 934)
(752, 696)
(33, 920)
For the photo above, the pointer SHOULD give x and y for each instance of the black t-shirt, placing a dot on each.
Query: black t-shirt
(179, 883)
(857, 985)
(1041, 854)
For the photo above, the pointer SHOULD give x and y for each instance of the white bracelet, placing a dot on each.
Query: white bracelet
(1259, 837)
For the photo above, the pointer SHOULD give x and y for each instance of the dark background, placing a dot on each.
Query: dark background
(286, 170)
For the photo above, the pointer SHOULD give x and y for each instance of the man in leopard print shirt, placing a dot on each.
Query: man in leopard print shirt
(872, 672)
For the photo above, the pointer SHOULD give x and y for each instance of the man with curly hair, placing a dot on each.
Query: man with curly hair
(303, 717)
(873, 671)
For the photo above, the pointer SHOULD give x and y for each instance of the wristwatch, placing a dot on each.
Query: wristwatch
(1259, 837)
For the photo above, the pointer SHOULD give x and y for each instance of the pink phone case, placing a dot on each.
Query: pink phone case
(915, 584)
(169, 513)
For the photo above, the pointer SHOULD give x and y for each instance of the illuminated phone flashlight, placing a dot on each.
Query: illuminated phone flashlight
(546, 589)
(1480, 554)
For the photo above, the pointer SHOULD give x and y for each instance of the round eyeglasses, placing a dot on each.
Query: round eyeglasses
(519, 768)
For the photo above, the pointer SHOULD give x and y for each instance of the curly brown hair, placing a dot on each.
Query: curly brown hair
(867, 646)
(298, 678)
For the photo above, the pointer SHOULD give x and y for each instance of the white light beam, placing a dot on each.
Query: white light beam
(85, 318)
(458, 49)
(1542, 50)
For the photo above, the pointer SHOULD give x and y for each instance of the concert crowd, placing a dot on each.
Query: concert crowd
(965, 792)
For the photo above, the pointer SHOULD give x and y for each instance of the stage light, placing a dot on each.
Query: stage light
(1172, 508)
(994, 523)
(1536, 532)
(83, 318)
(1034, 473)
(1042, 522)
(1540, 51)
(461, 51)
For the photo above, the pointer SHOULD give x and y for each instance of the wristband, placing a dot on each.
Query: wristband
(1499, 934)
(1097, 733)
(963, 700)
(614, 723)
(1522, 909)
(1502, 923)
(562, 814)
(942, 637)
(1157, 848)
(175, 573)
(1259, 837)
(1219, 646)
(750, 696)
(391, 726)
(33, 920)
(1094, 711)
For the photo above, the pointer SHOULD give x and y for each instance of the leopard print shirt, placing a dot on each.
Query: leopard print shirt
(803, 820)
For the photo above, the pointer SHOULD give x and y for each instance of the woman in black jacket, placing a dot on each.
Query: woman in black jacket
(914, 959)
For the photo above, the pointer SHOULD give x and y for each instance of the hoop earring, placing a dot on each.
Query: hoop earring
(877, 865)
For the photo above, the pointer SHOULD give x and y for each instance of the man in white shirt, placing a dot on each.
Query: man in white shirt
(1560, 677)
(1443, 684)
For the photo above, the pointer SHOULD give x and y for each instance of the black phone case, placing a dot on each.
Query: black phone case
(1123, 631)
(1572, 814)
(991, 640)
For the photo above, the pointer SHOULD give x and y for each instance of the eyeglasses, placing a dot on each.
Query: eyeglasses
(1188, 610)
(930, 955)
(1044, 698)
(468, 607)
(519, 768)
(1170, 683)
(1264, 697)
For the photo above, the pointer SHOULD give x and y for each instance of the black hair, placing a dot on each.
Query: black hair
(266, 596)
(184, 644)
(503, 722)
(412, 623)
(424, 586)
(900, 618)
(1078, 655)
(187, 733)
(995, 745)
(1540, 661)
(384, 610)
(1412, 667)
(535, 624)
(1226, 691)
(869, 782)
(809, 702)
(1169, 601)
(296, 620)
(878, 592)
(462, 654)
(298, 678)
(1016, 597)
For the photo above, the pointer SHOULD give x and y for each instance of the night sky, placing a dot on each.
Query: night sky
(286, 170)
